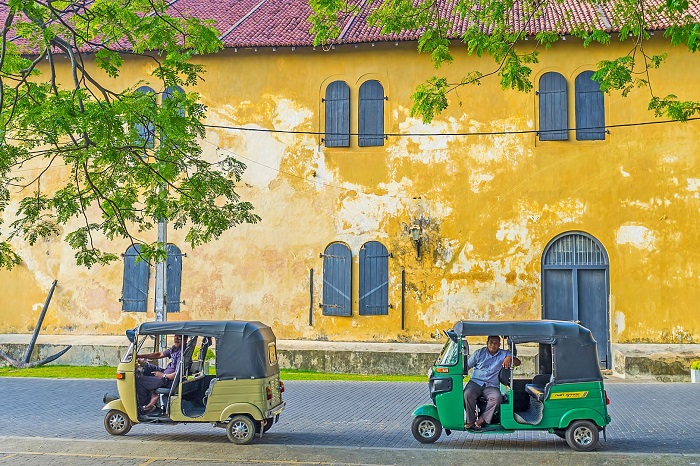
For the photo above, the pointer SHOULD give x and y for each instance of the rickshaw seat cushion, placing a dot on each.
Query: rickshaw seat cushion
(537, 392)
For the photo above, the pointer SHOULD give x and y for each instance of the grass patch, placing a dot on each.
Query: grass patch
(106, 372)
(61, 372)
(294, 374)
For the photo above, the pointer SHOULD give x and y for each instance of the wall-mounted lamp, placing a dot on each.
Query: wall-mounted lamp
(416, 231)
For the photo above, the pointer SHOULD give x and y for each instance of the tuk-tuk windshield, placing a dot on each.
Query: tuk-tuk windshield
(129, 354)
(449, 354)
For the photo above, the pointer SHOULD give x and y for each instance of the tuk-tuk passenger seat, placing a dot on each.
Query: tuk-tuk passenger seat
(539, 388)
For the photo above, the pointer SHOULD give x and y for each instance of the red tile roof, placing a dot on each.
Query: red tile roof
(268, 23)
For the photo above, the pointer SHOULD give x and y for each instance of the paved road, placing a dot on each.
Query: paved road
(333, 422)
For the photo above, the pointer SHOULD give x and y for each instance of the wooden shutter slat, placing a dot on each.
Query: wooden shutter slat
(173, 278)
(553, 107)
(135, 284)
(371, 114)
(337, 269)
(337, 115)
(374, 279)
(590, 108)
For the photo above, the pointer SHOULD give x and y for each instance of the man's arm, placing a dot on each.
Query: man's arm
(510, 360)
(158, 355)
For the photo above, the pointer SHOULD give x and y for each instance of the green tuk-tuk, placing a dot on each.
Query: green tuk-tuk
(240, 390)
(566, 398)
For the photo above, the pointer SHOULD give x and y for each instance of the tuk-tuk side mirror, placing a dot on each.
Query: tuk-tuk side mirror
(131, 335)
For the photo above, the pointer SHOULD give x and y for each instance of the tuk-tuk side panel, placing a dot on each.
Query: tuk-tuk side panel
(244, 392)
(126, 387)
(241, 408)
(583, 413)
(563, 404)
(569, 402)
(450, 405)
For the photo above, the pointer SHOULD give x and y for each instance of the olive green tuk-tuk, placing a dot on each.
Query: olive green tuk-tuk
(242, 392)
(566, 398)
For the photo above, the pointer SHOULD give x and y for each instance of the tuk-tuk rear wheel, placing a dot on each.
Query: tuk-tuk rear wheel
(117, 422)
(426, 429)
(240, 429)
(582, 436)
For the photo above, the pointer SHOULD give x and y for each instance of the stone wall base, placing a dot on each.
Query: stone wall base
(665, 363)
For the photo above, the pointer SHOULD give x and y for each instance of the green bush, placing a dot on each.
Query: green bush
(695, 365)
(210, 354)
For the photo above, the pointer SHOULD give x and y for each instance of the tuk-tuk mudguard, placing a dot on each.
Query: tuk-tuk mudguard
(115, 404)
(582, 413)
(426, 410)
(119, 406)
(241, 408)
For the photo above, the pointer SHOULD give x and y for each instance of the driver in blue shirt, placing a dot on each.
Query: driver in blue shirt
(487, 363)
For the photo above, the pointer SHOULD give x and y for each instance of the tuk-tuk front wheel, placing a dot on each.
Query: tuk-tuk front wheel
(117, 422)
(426, 429)
(240, 429)
(582, 436)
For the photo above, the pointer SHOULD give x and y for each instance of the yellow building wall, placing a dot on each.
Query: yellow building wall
(493, 202)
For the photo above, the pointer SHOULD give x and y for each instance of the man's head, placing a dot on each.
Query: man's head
(493, 343)
(177, 340)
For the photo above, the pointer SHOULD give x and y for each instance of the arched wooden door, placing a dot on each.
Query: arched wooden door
(575, 286)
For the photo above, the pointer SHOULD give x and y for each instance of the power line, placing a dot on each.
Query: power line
(476, 133)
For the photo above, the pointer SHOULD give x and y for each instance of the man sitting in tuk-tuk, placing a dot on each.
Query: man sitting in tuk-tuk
(154, 377)
(487, 363)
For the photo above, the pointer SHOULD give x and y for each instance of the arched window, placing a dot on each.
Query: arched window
(575, 286)
(553, 108)
(173, 277)
(374, 279)
(135, 283)
(145, 128)
(371, 114)
(337, 114)
(590, 108)
(337, 273)
(168, 93)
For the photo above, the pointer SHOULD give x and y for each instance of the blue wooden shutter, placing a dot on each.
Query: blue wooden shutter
(590, 108)
(135, 284)
(337, 271)
(146, 130)
(168, 93)
(173, 276)
(337, 114)
(553, 108)
(371, 114)
(374, 279)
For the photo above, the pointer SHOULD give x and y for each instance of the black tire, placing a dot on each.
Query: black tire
(426, 429)
(582, 436)
(240, 429)
(561, 433)
(117, 422)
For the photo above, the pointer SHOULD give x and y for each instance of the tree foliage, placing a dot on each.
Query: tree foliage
(497, 28)
(126, 158)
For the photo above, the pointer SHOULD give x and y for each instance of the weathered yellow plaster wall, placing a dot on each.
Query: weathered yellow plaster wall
(493, 202)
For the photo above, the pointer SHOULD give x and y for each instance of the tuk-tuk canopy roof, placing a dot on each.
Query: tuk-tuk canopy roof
(242, 347)
(525, 330)
(574, 356)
